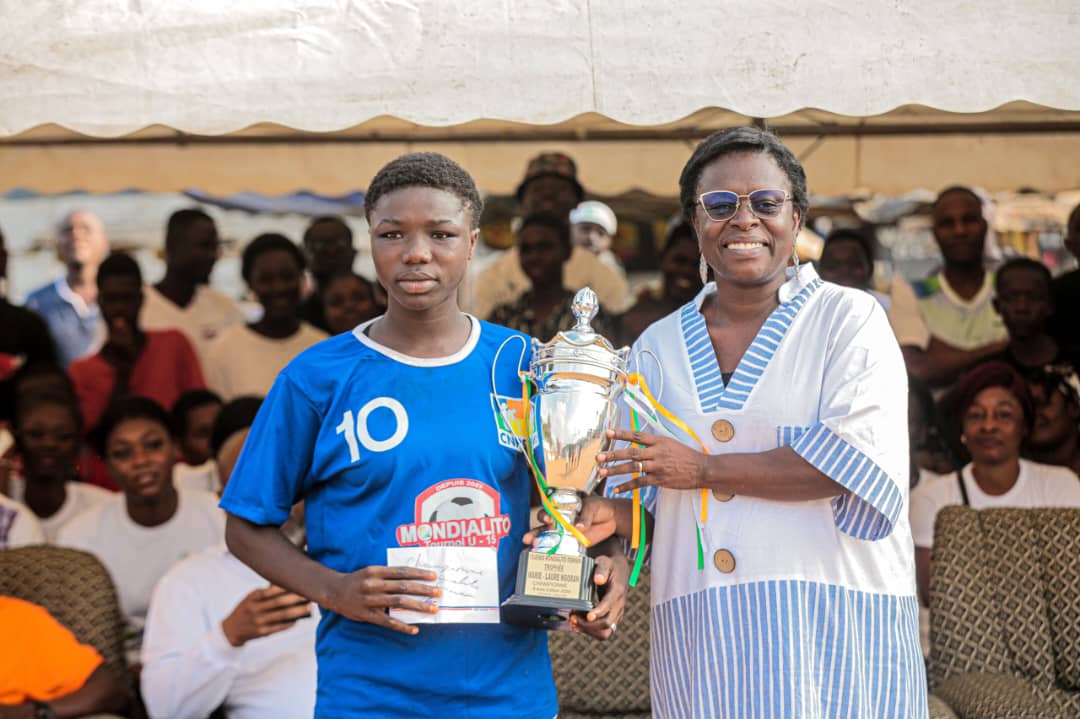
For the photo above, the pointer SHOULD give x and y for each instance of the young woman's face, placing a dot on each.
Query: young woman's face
(275, 280)
(680, 271)
(994, 426)
(421, 243)
(542, 253)
(49, 441)
(347, 301)
(746, 250)
(139, 455)
(199, 425)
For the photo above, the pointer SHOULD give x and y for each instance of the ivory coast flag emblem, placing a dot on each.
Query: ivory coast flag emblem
(510, 416)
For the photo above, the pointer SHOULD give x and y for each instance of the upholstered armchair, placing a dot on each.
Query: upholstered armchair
(1005, 613)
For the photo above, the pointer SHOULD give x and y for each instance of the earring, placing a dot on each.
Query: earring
(963, 439)
(703, 268)
(795, 257)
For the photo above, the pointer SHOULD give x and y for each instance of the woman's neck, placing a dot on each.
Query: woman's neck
(277, 328)
(154, 511)
(996, 479)
(436, 332)
(45, 495)
(738, 305)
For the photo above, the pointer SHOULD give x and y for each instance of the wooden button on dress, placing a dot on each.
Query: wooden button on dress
(724, 561)
(720, 497)
(722, 430)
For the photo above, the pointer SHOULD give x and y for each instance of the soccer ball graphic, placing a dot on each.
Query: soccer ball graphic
(458, 503)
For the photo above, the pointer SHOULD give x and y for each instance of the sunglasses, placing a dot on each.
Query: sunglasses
(722, 205)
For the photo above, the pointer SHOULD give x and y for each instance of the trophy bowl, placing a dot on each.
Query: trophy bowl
(578, 375)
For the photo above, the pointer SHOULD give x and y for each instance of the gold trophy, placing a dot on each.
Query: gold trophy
(577, 378)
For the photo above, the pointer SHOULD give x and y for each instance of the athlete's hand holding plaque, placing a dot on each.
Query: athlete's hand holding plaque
(577, 377)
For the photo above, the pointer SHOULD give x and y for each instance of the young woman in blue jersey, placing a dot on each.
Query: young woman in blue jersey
(391, 435)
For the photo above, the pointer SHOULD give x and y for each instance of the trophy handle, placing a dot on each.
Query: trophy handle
(495, 365)
(636, 360)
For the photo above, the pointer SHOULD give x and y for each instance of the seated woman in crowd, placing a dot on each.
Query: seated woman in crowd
(150, 526)
(543, 245)
(996, 415)
(1055, 438)
(680, 281)
(219, 635)
(48, 435)
(348, 299)
(193, 414)
(245, 359)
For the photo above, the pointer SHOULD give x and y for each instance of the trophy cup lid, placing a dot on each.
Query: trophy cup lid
(585, 307)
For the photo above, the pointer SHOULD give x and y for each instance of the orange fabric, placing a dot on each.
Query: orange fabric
(41, 659)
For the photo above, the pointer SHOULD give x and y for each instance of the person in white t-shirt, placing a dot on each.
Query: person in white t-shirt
(218, 635)
(139, 534)
(246, 359)
(996, 414)
(48, 435)
(183, 300)
(18, 526)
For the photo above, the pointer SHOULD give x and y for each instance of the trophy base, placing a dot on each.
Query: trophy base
(549, 588)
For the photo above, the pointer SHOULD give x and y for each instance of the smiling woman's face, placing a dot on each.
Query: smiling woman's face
(994, 426)
(746, 250)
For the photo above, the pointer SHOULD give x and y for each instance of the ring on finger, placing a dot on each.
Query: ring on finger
(613, 627)
(640, 466)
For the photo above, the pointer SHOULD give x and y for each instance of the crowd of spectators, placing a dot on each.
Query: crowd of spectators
(124, 406)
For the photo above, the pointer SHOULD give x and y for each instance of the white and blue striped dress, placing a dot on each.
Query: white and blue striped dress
(809, 608)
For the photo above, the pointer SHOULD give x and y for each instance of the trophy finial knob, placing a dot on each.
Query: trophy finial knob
(585, 307)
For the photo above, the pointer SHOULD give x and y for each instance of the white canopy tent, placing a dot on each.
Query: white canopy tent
(275, 96)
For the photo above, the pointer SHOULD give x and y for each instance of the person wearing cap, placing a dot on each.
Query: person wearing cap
(592, 226)
(550, 186)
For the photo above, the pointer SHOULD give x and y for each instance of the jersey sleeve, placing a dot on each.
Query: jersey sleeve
(274, 468)
(860, 440)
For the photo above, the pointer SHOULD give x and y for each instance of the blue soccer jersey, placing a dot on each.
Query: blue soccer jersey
(396, 451)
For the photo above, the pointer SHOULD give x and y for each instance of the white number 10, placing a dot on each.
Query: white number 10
(356, 431)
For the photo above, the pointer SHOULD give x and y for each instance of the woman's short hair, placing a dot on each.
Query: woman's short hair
(27, 403)
(118, 264)
(985, 376)
(268, 243)
(735, 140)
(124, 410)
(192, 399)
(425, 169)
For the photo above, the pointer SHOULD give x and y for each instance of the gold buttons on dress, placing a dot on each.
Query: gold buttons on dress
(724, 561)
(722, 497)
(722, 430)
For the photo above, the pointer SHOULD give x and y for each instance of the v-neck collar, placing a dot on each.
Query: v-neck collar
(712, 393)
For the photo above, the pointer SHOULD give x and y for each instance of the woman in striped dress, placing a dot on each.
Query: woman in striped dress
(783, 579)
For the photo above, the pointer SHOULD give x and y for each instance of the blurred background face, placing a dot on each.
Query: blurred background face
(275, 280)
(48, 440)
(199, 425)
(591, 236)
(139, 455)
(1023, 301)
(845, 263)
(549, 194)
(329, 248)
(994, 426)
(1055, 417)
(959, 228)
(83, 242)
(193, 256)
(679, 270)
(347, 301)
(120, 298)
(542, 254)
